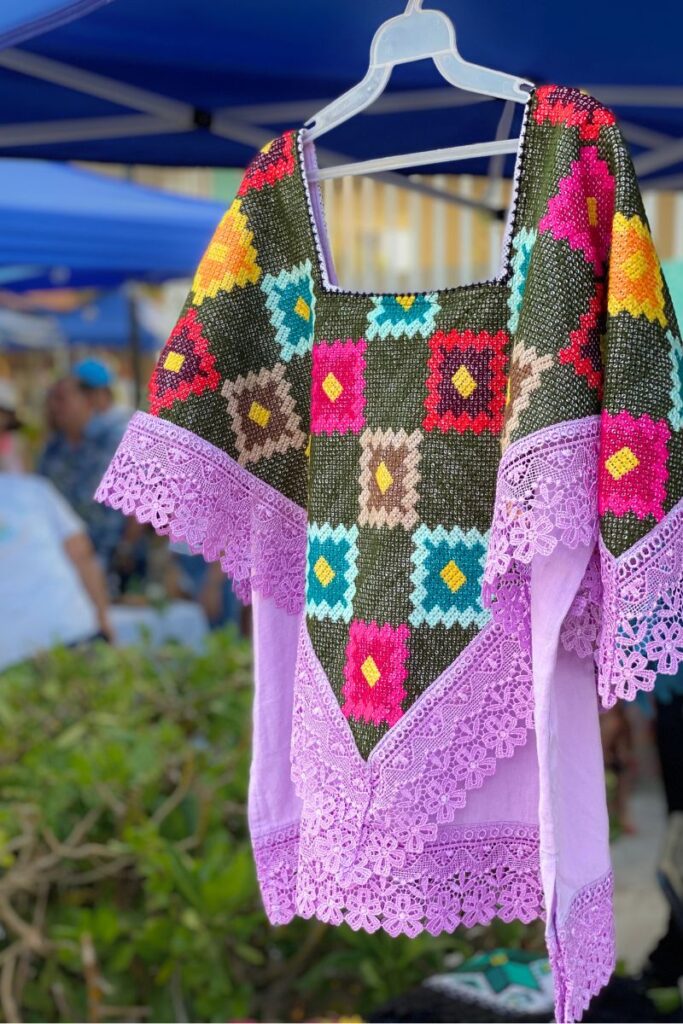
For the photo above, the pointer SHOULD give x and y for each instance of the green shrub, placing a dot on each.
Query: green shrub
(127, 888)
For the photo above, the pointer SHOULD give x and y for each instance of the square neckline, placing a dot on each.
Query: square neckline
(315, 214)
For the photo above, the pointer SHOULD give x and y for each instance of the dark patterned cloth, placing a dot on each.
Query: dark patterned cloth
(386, 416)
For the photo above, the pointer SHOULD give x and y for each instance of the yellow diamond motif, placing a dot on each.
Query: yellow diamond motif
(452, 576)
(621, 463)
(370, 671)
(592, 205)
(405, 301)
(302, 308)
(174, 361)
(383, 477)
(463, 382)
(259, 414)
(636, 265)
(324, 572)
(498, 959)
(332, 387)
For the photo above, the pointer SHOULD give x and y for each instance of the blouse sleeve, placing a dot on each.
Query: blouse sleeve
(220, 459)
(640, 453)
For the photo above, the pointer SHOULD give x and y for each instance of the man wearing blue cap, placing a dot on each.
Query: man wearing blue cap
(86, 429)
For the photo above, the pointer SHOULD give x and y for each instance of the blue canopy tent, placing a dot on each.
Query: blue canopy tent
(65, 226)
(105, 322)
(179, 82)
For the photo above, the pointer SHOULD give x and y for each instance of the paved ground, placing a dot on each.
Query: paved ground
(640, 908)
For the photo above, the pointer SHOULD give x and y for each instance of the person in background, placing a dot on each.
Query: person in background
(52, 587)
(86, 429)
(11, 458)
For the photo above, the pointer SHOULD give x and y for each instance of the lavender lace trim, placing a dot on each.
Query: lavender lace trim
(628, 612)
(187, 488)
(380, 847)
(583, 953)
(642, 612)
(546, 493)
(472, 875)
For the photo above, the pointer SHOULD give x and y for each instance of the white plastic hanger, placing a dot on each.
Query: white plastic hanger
(416, 35)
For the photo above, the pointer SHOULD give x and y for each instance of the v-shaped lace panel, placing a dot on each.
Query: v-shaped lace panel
(370, 826)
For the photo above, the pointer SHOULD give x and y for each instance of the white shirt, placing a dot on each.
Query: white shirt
(42, 599)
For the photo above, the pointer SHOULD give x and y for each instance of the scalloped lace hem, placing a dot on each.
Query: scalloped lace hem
(583, 951)
(188, 489)
(641, 630)
(475, 874)
(628, 611)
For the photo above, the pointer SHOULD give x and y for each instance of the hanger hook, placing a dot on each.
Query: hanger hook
(413, 5)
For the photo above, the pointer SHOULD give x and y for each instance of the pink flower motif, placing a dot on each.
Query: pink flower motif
(375, 671)
(413, 835)
(519, 900)
(384, 853)
(364, 910)
(630, 674)
(666, 647)
(473, 766)
(442, 798)
(633, 465)
(479, 902)
(156, 506)
(531, 534)
(338, 387)
(442, 910)
(581, 212)
(403, 913)
(503, 734)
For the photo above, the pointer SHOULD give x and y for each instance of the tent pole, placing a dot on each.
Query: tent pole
(135, 348)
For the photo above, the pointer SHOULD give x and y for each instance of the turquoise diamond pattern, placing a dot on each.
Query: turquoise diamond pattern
(447, 577)
(291, 301)
(331, 569)
(676, 393)
(522, 246)
(402, 316)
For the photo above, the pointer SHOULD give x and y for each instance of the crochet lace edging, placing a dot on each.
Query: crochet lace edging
(481, 872)
(583, 950)
(628, 612)
(189, 490)
(546, 494)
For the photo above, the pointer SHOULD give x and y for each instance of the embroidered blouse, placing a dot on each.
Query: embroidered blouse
(458, 516)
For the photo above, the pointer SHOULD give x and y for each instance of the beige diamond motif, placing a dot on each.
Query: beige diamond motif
(332, 387)
(453, 576)
(370, 671)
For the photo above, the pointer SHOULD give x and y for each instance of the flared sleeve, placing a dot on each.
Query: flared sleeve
(640, 454)
(220, 459)
(592, 447)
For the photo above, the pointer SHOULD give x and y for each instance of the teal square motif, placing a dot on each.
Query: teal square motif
(447, 577)
(291, 301)
(331, 571)
(676, 393)
(402, 316)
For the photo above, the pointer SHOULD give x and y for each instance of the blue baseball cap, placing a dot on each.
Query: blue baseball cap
(93, 374)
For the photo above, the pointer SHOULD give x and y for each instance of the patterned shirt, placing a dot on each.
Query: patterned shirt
(76, 470)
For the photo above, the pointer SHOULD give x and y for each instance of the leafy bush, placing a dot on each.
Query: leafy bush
(127, 888)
